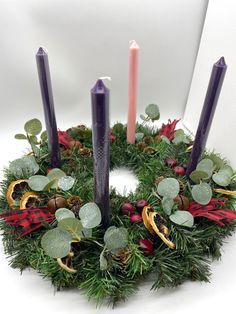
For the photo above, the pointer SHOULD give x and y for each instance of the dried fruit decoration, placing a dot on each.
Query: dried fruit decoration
(155, 225)
(15, 191)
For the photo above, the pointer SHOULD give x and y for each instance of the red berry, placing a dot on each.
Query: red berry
(112, 138)
(127, 209)
(141, 204)
(171, 162)
(179, 171)
(146, 246)
(136, 218)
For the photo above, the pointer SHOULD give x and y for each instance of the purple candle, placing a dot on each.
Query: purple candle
(101, 156)
(208, 110)
(48, 106)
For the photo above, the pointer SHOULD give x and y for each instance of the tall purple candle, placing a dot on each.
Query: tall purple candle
(208, 110)
(48, 106)
(101, 143)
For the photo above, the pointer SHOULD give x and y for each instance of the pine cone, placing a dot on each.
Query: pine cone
(159, 179)
(85, 152)
(122, 256)
(141, 146)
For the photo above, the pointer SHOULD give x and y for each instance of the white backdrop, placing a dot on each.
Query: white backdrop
(87, 39)
(218, 39)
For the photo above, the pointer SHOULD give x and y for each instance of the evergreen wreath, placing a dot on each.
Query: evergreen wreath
(169, 228)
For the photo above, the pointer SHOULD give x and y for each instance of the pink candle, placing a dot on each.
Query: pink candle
(133, 82)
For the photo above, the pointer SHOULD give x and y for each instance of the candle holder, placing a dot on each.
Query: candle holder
(169, 228)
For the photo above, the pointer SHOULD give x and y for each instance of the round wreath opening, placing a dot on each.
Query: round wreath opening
(169, 228)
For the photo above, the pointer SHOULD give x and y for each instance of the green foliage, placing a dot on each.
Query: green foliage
(24, 167)
(102, 273)
(202, 193)
(90, 215)
(116, 238)
(56, 242)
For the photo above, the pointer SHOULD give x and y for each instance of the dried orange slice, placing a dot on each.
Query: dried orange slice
(160, 229)
(145, 216)
(29, 199)
(14, 191)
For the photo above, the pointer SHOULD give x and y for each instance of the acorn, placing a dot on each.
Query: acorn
(179, 171)
(140, 204)
(146, 246)
(127, 209)
(171, 162)
(56, 202)
(136, 218)
(182, 202)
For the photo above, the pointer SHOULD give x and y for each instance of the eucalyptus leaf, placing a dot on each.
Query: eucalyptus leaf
(72, 225)
(221, 178)
(20, 136)
(206, 165)
(24, 167)
(197, 176)
(66, 183)
(33, 127)
(180, 137)
(218, 162)
(35, 149)
(33, 139)
(202, 193)
(167, 204)
(38, 182)
(227, 169)
(152, 111)
(116, 238)
(44, 136)
(56, 243)
(139, 136)
(63, 213)
(168, 188)
(103, 261)
(55, 175)
(165, 139)
(182, 218)
(87, 233)
(90, 215)
(144, 118)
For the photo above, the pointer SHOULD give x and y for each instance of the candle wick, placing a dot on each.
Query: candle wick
(132, 42)
(105, 78)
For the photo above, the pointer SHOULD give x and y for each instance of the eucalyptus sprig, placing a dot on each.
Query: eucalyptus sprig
(33, 128)
(152, 113)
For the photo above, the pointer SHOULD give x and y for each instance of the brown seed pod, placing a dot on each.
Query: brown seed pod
(85, 152)
(56, 202)
(182, 202)
(75, 203)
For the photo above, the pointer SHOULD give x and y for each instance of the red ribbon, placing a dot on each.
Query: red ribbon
(213, 211)
(28, 219)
